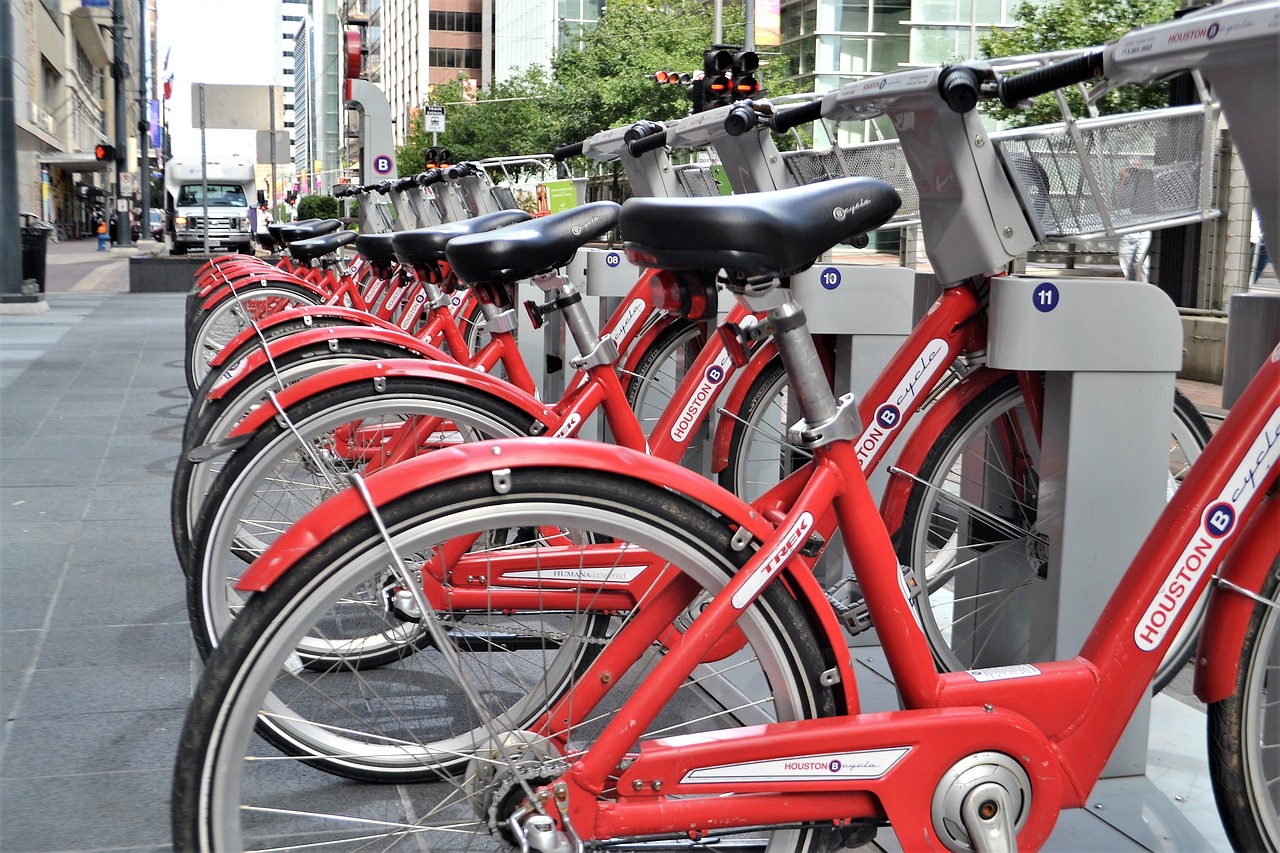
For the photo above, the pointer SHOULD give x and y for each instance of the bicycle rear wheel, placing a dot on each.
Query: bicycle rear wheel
(969, 531)
(409, 721)
(1244, 733)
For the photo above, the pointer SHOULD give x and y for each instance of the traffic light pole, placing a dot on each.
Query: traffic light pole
(118, 72)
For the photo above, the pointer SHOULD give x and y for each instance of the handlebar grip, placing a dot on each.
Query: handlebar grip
(383, 188)
(740, 118)
(429, 177)
(785, 119)
(647, 143)
(1031, 83)
(456, 171)
(564, 152)
(959, 88)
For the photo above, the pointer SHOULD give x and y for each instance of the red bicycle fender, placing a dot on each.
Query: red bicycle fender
(367, 371)
(894, 501)
(263, 279)
(733, 403)
(232, 376)
(353, 316)
(484, 457)
(217, 276)
(1227, 615)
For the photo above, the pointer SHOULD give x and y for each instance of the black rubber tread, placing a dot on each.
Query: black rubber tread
(1226, 759)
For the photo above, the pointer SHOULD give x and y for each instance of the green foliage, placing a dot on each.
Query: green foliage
(317, 207)
(604, 84)
(1062, 24)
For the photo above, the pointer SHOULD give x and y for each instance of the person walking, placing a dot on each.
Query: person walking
(101, 228)
(1260, 256)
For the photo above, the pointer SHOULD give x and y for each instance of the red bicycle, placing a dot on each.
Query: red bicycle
(723, 704)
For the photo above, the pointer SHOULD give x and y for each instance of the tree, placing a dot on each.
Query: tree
(604, 84)
(317, 207)
(1062, 24)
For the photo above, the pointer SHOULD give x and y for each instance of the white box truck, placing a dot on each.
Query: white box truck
(231, 193)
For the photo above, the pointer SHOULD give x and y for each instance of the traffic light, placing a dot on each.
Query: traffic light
(435, 158)
(745, 63)
(670, 78)
(105, 153)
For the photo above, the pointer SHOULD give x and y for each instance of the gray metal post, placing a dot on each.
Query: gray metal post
(204, 176)
(144, 127)
(271, 196)
(118, 73)
(10, 244)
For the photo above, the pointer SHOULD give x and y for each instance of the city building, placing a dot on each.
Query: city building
(65, 106)
(528, 33)
(317, 99)
(829, 43)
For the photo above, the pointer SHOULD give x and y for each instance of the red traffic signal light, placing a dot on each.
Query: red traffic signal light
(105, 152)
(670, 78)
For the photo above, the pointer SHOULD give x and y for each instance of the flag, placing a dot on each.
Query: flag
(167, 75)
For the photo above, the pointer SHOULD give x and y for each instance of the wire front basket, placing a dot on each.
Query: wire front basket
(1111, 175)
(882, 160)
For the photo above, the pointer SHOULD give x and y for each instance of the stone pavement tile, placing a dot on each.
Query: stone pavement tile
(20, 473)
(45, 545)
(90, 812)
(113, 502)
(118, 645)
(93, 742)
(68, 690)
(100, 592)
(27, 504)
(18, 649)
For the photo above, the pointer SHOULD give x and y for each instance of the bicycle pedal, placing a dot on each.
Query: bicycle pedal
(851, 836)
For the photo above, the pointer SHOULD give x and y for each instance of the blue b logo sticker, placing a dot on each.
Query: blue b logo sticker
(1045, 297)
(715, 373)
(382, 164)
(830, 278)
(1220, 518)
(888, 416)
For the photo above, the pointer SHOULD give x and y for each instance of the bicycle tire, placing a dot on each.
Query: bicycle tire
(1242, 730)
(963, 621)
(217, 788)
(272, 481)
(192, 479)
(216, 326)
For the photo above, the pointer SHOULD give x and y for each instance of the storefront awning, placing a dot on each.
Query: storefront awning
(73, 161)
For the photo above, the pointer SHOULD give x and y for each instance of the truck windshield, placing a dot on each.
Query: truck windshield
(220, 195)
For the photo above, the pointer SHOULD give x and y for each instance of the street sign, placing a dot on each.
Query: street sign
(127, 184)
(433, 119)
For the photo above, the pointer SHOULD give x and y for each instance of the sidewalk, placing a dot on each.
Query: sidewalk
(77, 266)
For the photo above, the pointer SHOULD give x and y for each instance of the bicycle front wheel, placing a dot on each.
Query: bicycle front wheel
(410, 720)
(969, 532)
(1244, 733)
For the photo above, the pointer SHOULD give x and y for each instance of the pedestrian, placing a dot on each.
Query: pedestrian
(103, 237)
(1135, 255)
(1135, 247)
(1260, 256)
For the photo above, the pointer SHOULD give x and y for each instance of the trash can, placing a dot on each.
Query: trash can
(35, 242)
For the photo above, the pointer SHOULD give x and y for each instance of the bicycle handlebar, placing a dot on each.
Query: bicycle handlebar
(789, 117)
(429, 177)
(564, 152)
(1031, 83)
(648, 142)
(741, 118)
